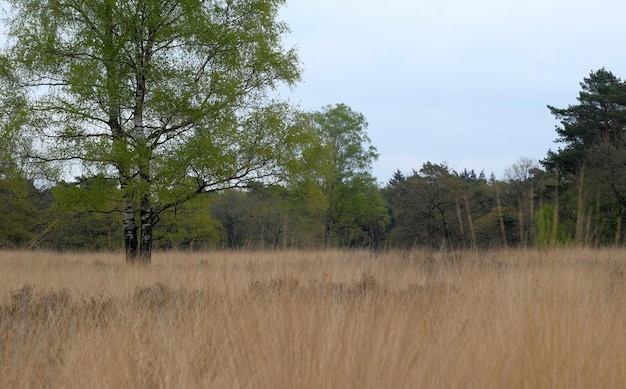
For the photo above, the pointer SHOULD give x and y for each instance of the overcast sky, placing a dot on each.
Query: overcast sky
(466, 83)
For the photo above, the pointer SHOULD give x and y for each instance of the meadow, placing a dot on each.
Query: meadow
(315, 319)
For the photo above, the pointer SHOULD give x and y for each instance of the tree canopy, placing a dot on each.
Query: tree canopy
(335, 175)
(598, 118)
(170, 97)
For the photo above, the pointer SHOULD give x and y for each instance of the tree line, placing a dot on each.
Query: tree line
(167, 113)
(327, 196)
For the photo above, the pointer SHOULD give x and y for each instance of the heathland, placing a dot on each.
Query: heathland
(315, 319)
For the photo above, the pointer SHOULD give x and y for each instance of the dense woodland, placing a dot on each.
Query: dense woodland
(139, 124)
(576, 195)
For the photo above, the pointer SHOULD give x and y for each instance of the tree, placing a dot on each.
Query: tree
(12, 118)
(426, 208)
(591, 164)
(438, 207)
(268, 211)
(189, 226)
(228, 207)
(599, 118)
(258, 217)
(169, 97)
(335, 178)
(20, 203)
(523, 180)
(21, 210)
(82, 215)
(396, 179)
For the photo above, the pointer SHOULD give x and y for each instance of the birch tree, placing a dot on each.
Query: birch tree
(170, 97)
(335, 178)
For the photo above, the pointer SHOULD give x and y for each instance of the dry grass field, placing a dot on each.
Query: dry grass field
(317, 319)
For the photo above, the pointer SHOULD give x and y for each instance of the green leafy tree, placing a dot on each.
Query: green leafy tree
(84, 215)
(271, 222)
(599, 118)
(20, 202)
(547, 234)
(229, 208)
(522, 181)
(13, 141)
(22, 210)
(590, 167)
(335, 178)
(189, 226)
(424, 206)
(169, 97)
(258, 217)
(437, 207)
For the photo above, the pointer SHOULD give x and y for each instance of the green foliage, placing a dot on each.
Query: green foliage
(21, 204)
(189, 226)
(87, 194)
(437, 207)
(271, 219)
(229, 208)
(14, 142)
(544, 221)
(260, 217)
(20, 211)
(598, 118)
(334, 178)
(424, 207)
(488, 230)
(170, 97)
(591, 165)
(84, 216)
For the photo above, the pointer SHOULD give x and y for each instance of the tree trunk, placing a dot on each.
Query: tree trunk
(110, 52)
(327, 233)
(130, 230)
(147, 222)
(531, 215)
(580, 210)
(522, 230)
(470, 221)
(460, 217)
(555, 215)
(500, 213)
(143, 52)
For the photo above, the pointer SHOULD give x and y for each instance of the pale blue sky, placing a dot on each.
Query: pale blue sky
(453, 81)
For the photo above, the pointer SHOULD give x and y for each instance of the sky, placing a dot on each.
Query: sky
(460, 82)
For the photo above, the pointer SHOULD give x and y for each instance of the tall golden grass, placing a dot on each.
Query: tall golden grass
(315, 319)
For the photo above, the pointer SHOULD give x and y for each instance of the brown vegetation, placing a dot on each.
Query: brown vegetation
(328, 319)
